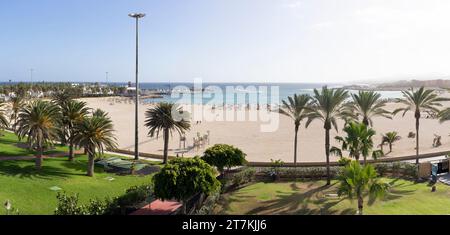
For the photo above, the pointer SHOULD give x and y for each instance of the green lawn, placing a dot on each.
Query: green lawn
(30, 192)
(11, 146)
(405, 198)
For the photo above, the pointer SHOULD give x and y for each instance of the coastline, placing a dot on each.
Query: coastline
(261, 146)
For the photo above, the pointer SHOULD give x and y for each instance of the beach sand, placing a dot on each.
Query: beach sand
(260, 146)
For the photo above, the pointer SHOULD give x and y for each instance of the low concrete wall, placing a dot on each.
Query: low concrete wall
(304, 164)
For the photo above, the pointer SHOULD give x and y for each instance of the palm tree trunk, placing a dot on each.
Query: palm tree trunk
(71, 152)
(366, 121)
(390, 147)
(295, 145)
(360, 205)
(327, 154)
(417, 140)
(90, 170)
(166, 145)
(39, 160)
(184, 208)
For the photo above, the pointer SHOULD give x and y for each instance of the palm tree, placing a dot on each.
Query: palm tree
(61, 99)
(327, 106)
(161, 118)
(356, 180)
(390, 138)
(17, 103)
(422, 100)
(3, 120)
(94, 134)
(357, 142)
(368, 104)
(73, 113)
(38, 122)
(297, 109)
(100, 113)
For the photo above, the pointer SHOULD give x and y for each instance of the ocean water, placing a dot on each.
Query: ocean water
(238, 93)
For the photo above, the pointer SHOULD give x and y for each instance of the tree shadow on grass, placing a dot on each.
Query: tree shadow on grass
(228, 200)
(298, 202)
(19, 170)
(80, 165)
(396, 192)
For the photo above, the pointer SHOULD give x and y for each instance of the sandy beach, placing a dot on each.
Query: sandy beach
(263, 146)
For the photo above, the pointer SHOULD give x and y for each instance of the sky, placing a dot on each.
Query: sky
(225, 40)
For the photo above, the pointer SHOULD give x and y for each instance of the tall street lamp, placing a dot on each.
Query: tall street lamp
(137, 16)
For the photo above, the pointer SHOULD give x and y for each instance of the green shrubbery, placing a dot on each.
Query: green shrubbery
(305, 172)
(243, 177)
(224, 156)
(405, 169)
(69, 204)
(183, 178)
(343, 161)
(209, 203)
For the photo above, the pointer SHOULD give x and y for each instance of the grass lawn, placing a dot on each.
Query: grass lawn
(11, 146)
(405, 198)
(29, 190)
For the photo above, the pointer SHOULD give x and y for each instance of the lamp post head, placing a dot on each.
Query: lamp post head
(137, 15)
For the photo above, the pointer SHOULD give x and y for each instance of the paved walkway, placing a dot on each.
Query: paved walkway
(158, 207)
(445, 179)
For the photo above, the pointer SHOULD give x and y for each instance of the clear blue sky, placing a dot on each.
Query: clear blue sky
(224, 40)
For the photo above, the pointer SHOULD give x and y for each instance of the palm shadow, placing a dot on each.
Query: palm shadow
(396, 191)
(81, 166)
(299, 202)
(13, 169)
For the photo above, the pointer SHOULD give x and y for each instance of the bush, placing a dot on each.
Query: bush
(222, 155)
(275, 169)
(209, 204)
(307, 172)
(97, 207)
(134, 195)
(396, 167)
(184, 178)
(243, 177)
(343, 161)
(69, 205)
(382, 169)
(410, 170)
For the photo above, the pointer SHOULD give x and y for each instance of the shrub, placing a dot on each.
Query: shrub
(209, 204)
(97, 207)
(396, 167)
(134, 195)
(343, 161)
(306, 172)
(184, 178)
(222, 155)
(410, 170)
(68, 205)
(382, 169)
(243, 177)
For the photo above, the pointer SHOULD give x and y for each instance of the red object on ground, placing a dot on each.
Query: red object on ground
(158, 207)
